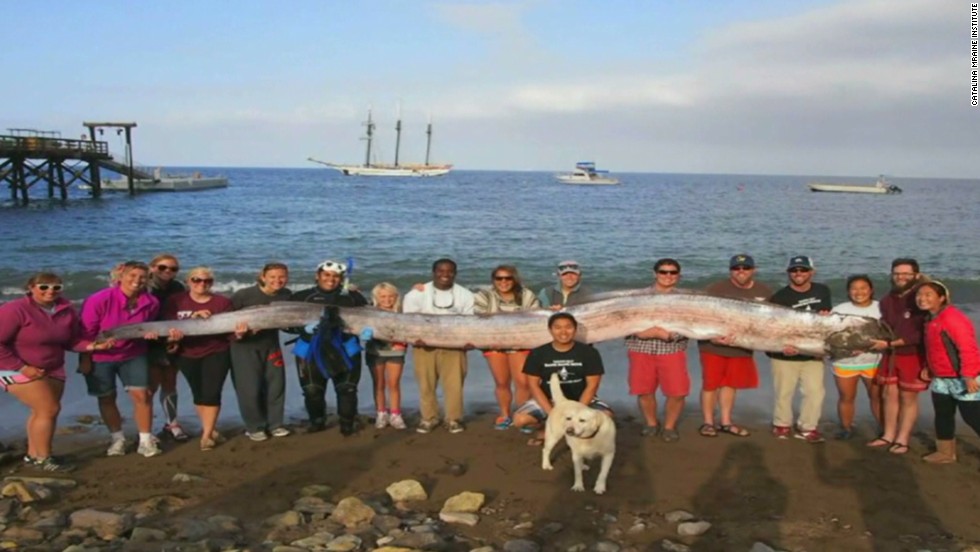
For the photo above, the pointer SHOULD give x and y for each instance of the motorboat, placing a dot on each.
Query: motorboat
(586, 173)
(882, 186)
(166, 183)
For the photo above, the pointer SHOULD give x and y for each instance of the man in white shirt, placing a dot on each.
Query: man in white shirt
(440, 296)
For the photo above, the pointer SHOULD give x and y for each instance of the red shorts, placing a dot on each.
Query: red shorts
(904, 371)
(735, 372)
(669, 372)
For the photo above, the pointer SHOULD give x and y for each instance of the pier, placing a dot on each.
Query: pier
(30, 157)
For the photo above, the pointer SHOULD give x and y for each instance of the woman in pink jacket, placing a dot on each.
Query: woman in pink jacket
(35, 332)
(953, 366)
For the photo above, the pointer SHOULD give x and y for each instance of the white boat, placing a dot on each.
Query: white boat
(396, 169)
(880, 187)
(166, 183)
(586, 173)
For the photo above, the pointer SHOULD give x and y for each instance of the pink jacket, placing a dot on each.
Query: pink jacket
(29, 335)
(960, 345)
(107, 309)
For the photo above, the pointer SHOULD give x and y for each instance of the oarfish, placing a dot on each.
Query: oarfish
(752, 325)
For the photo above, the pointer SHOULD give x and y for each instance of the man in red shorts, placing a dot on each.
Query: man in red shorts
(658, 358)
(726, 369)
(902, 362)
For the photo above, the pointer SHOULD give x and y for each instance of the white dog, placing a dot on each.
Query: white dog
(588, 432)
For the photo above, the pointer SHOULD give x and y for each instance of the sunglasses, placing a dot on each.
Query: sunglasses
(742, 268)
(504, 278)
(52, 287)
(168, 268)
(669, 272)
(207, 281)
(798, 270)
(564, 267)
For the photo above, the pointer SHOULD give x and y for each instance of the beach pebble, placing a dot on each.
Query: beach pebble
(351, 512)
(384, 540)
(407, 490)
(761, 547)
(580, 547)
(289, 518)
(147, 534)
(693, 528)
(284, 548)
(609, 518)
(671, 546)
(344, 543)
(605, 546)
(464, 502)
(521, 545)
(524, 526)
(483, 549)
(423, 541)
(23, 492)
(192, 529)
(678, 516)
(53, 482)
(187, 478)
(225, 525)
(23, 535)
(106, 525)
(393, 549)
(636, 528)
(313, 505)
(51, 519)
(551, 528)
(322, 491)
(386, 523)
(461, 518)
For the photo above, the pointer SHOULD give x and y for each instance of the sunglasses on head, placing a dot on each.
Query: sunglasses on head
(168, 268)
(564, 267)
(504, 278)
(202, 280)
(52, 287)
(669, 272)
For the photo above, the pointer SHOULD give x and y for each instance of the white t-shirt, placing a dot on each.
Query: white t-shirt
(863, 361)
(458, 300)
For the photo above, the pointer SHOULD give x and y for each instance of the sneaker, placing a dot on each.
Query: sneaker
(456, 426)
(502, 423)
(117, 448)
(281, 432)
(397, 421)
(149, 449)
(813, 436)
(844, 434)
(258, 436)
(49, 464)
(175, 432)
(781, 432)
(426, 426)
(381, 421)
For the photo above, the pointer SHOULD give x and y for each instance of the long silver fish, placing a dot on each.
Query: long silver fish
(752, 325)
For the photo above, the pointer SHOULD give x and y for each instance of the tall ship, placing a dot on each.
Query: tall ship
(396, 169)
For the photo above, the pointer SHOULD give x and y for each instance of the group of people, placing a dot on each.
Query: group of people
(935, 348)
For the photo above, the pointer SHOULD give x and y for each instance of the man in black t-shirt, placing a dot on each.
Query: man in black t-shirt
(791, 369)
(579, 367)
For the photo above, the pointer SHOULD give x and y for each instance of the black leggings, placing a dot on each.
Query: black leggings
(945, 406)
(206, 376)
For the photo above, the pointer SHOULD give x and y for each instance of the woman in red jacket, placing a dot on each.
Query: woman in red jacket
(953, 361)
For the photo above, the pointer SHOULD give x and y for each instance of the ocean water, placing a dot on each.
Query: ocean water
(395, 228)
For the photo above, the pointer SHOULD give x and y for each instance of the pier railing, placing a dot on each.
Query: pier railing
(39, 147)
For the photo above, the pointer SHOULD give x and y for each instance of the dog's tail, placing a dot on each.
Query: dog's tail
(556, 395)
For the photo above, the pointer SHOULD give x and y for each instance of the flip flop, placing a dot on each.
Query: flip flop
(535, 442)
(898, 448)
(707, 430)
(879, 442)
(733, 429)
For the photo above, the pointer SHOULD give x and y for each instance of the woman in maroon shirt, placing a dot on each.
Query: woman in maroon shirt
(203, 359)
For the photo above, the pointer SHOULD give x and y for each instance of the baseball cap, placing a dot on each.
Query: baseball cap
(741, 260)
(565, 267)
(332, 266)
(800, 261)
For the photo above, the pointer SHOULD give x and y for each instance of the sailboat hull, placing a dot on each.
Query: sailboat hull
(403, 170)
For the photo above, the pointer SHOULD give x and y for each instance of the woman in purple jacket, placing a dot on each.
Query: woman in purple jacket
(127, 301)
(35, 332)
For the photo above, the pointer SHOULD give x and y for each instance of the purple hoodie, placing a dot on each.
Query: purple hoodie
(29, 335)
(107, 309)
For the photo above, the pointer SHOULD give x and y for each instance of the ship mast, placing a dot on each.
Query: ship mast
(428, 140)
(370, 134)
(398, 133)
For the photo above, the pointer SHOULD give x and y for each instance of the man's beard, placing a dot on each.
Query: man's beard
(900, 289)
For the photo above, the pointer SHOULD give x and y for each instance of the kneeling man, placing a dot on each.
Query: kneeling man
(579, 367)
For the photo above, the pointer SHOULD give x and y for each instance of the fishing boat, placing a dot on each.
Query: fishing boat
(880, 187)
(166, 183)
(586, 173)
(369, 168)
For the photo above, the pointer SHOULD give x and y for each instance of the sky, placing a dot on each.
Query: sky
(821, 87)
